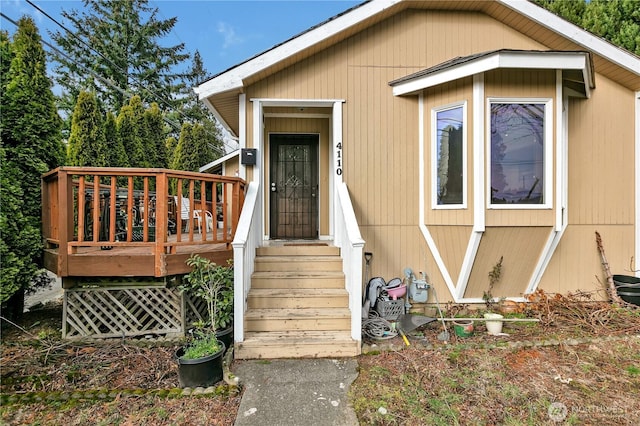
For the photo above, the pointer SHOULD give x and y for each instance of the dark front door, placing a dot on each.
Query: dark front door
(294, 186)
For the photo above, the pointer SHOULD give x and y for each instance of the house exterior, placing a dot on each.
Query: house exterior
(439, 136)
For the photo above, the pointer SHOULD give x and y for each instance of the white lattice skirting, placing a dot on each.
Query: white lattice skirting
(125, 312)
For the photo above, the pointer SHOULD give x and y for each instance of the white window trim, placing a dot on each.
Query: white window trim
(434, 156)
(548, 154)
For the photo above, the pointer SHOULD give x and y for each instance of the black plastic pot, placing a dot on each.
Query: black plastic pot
(626, 280)
(629, 293)
(225, 336)
(200, 372)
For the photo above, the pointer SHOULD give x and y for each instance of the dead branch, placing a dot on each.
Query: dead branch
(611, 288)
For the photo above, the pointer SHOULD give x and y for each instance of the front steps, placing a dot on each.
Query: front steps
(297, 306)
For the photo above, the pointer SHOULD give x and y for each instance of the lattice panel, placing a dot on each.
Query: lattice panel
(121, 312)
(195, 310)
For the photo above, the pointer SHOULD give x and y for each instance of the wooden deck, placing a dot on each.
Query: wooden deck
(94, 220)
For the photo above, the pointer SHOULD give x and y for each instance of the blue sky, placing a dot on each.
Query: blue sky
(225, 32)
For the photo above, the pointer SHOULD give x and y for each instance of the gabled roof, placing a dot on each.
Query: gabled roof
(221, 90)
(467, 66)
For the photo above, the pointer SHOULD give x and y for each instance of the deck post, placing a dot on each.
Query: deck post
(65, 221)
(162, 227)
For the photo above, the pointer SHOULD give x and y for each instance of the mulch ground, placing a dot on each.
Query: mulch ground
(129, 373)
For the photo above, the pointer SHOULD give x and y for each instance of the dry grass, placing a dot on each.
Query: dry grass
(584, 355)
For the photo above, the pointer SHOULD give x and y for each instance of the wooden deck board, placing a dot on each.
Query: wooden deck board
(136, 259)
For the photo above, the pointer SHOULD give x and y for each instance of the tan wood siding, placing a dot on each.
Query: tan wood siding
(232, 167)
(576, 264)
(452, 242)
(303, 125)
(396, 247)
(601, 156)
(380, 132)
(520, 247)
(436, 97)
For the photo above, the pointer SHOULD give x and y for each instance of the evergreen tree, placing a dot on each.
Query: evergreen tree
(130, 132)
(30, 145)
(618, 21)
(179, 161)
(117, 154)
(171, 144)
(193, 149)
(120, 43)
(5, 56)
(615, 20)
(155, 147)
(29, 118)
(87, 144)
(571, 10)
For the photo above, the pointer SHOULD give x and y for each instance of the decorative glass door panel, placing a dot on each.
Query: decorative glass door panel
(294, 186)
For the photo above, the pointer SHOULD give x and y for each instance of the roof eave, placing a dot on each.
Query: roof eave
(576, 34)
(233, 79)
(219, 161)
(499, 59)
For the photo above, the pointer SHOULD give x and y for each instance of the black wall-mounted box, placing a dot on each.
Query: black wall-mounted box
(248, 156)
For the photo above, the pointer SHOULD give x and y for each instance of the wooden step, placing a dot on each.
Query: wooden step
(298, 298)
(298, 250)
(298, 263)
(296, 344)
(310, 319)
(314, 279)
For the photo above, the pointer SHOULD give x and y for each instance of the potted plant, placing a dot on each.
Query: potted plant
(200, 361)
(494, 326)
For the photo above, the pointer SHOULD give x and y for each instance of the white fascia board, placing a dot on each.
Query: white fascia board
(219, 161)
(300, 103)
(233, 78)
(574, 33)
(544, 60)
(520, 60)
(444, 76)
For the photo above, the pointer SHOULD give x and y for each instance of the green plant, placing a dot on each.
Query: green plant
(494, 277)
(202, 345)
(213, 284)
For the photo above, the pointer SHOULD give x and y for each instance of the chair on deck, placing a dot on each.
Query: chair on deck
(185, 208)
(197, 214)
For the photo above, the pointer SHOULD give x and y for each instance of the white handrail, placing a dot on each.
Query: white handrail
(347, 237)
(247, 239)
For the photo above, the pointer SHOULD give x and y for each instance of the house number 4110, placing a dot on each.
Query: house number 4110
(339, 159)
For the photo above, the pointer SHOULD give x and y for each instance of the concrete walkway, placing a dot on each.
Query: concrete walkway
(293, 392)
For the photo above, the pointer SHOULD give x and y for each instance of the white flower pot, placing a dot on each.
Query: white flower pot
(494, 326)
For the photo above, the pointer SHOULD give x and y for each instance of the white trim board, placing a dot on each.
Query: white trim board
(220, 160)
(497, 60)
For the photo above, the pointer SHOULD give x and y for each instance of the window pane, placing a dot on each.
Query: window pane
(517, 153)
(449, 151)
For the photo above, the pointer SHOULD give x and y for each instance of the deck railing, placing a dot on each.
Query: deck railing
(348, 238)
(247, 240)
(152, 210)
